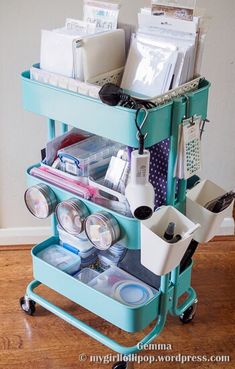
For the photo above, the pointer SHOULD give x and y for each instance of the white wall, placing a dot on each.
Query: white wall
(23, 134)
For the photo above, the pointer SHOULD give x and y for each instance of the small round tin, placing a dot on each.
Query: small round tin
(102, 229)
(40, 201)
(71, 215)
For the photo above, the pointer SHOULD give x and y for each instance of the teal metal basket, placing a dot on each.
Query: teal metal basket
(90, 114)
(130, 319)
(118, 124)
(130, 227)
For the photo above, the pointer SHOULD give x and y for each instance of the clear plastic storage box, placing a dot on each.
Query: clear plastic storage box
(81, 243)
(123, 287)
(88, 156)
(61, 258)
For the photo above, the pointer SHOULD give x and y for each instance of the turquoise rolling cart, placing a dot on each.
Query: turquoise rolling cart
(115, 123)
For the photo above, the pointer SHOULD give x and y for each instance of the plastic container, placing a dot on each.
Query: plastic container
(106, 260)
(129, 227)
(131, 319)
(88, 157)
(123, 287)
(86, 275)
(60, 258)
(157, 255)
(117, 250)
(59, 172)
(80, 243)
(111, 257)
(84, 255)
(210, 222)
(73, 186)
(90, 260)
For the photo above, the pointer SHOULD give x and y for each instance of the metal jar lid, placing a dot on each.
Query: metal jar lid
(102, 229)
(40, 200)
(71, 215)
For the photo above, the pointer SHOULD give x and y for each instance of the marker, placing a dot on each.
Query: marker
(176, 239)
(170, 231)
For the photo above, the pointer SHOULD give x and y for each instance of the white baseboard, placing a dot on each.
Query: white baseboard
(33, 235)
(24, 236)
(227, 228)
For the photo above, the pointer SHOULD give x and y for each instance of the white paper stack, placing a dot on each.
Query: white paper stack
(58, 48)
(75, 51)
(162, 55)
(150, 66)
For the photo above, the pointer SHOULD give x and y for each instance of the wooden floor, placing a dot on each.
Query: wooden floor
(46, 342)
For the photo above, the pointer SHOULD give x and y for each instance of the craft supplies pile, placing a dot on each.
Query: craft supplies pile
(100, 59)
(162, 53)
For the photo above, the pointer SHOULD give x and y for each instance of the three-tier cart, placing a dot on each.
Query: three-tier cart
(118, 124)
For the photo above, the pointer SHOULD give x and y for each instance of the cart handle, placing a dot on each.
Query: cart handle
(113, 345)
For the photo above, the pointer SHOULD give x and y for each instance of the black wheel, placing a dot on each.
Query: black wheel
(120, 365)
(27, 305)
(189, 314)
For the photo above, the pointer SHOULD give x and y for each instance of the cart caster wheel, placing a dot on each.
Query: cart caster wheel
(27, 305)
(189, 314)
(120, 365)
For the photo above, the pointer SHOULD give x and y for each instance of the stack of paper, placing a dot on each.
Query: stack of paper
(150, 66)
(162, 55)
(76, 51)
(58, 48)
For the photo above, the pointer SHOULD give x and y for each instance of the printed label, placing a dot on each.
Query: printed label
(181, 9)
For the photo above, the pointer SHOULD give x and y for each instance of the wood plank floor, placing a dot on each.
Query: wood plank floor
(46, 342)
